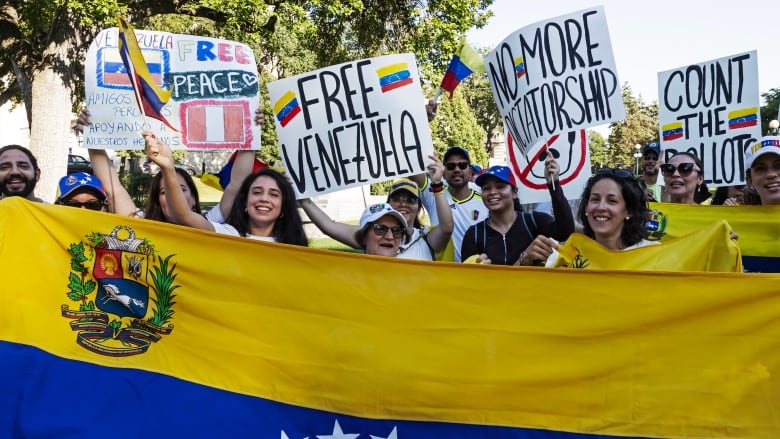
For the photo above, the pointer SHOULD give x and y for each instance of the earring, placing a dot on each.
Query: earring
(586, 214)
(628, 218)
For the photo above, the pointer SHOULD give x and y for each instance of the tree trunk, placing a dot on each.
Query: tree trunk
(52, 100)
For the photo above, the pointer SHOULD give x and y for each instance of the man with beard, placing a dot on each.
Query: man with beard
(465, 202)
(19, 173)
(651, 164)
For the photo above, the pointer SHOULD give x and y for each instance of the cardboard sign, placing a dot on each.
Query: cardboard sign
(214, 86)
(711, 109)
(555, 76)
(351, 124)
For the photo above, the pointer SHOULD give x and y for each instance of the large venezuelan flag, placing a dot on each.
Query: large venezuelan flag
(758, 228)
(252, 339)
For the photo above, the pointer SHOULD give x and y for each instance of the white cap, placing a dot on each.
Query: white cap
(376, 211)
(764, 145)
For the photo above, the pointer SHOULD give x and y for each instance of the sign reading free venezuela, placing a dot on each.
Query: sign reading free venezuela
(352, 124)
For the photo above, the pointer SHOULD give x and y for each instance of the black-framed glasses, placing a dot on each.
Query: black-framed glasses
(552, 151)
(381, 230)
(91, 205)
(685, 169)
(460, 165)
(401, 198)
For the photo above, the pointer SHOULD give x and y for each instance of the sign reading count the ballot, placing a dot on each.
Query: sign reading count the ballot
(352, 124)
(213, 84)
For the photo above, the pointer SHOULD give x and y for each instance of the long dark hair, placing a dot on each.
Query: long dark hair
(288, 228)
(636, 204)
(153, 209)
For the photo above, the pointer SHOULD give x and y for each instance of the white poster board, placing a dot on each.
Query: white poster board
(551, 80)
(711, 109)
(352, 124)
(214, 85)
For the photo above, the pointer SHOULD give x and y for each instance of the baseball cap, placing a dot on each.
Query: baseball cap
(80, 180)
(764, 145)
(372, 214)
(475, 168)
(404, 184)
(456, 150)
(502, 173)
(654, 147)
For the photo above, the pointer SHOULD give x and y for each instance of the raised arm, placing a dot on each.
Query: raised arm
(440, 235)
(343, 233)
(564, 218)
(119, 201)
(242, 168)
(178, 207)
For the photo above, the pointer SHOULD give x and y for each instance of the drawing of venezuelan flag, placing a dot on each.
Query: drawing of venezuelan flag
(243, 338)
(112, 72)
(286, 108)
(519, 67)
(746, 117)
(394, 76)
(672, 131)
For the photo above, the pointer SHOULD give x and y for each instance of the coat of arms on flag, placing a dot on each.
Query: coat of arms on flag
(114, 297)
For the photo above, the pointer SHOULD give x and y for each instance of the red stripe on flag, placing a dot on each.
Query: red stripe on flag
(673, 136)
(750, 123)
(234, 123)
(396, 84)
(290, 116)
(196, 124)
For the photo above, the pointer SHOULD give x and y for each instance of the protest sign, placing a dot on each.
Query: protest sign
(711, 109)
(213, 84)
(551, 80)
(555, 76)
(351, 124)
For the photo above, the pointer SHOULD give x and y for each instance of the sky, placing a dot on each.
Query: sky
(654, 36)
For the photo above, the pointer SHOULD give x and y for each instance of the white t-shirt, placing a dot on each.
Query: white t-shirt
(417, 248)
(215, 218)
(465, 213)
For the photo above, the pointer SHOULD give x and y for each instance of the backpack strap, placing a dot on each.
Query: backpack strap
(531, 235)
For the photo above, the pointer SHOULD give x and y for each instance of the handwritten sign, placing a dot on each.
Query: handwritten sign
(213, 84)
(569, 149)
(555, 76)
(712, 110)
(351, 124)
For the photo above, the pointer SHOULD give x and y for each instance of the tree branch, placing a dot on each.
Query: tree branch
(147, 8)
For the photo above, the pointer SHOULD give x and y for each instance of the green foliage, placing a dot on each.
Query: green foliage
(455, 125)
(769, 110)
(162, 284)
(137, 185)
(382, 188)
(598, 150)
(78, 286)
(479, 97)
(639, 127)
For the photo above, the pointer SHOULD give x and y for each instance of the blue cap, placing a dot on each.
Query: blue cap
(456, 150)
(80, 180)
(502, 173)
(653, 146)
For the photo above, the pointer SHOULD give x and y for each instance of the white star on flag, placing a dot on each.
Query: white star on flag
(338, 434)
(393, 435)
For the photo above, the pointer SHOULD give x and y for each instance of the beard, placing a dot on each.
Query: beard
(29, 186)
(651, 171)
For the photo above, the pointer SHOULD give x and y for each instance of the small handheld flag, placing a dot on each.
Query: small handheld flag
(150, 97)
(221, 179)
(465, 62)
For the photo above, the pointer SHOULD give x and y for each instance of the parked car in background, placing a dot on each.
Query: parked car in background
(77, 163)
(150, 167)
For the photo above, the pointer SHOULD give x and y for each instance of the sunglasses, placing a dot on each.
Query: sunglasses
(552, 151)
(381, 230)
(685, 169)
(619, 173)
(408, 199)
(91, 205)
(460, 165)
(652, 157)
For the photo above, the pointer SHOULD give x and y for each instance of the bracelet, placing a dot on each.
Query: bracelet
(436, 187)
(441, 192)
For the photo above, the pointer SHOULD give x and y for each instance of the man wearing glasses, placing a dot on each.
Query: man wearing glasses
(465, 202)
(650, 166)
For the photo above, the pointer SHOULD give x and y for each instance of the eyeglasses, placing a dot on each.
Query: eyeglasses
(652, 157)
(408, 199)
(461, 165)
(685, 169)
(381, 230)
(91, 205)
(552, 151)
(619, 173)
